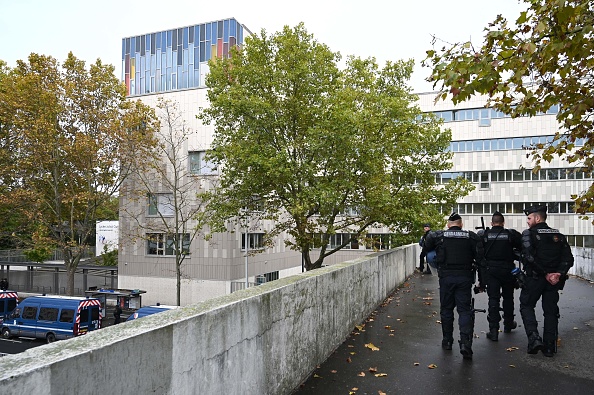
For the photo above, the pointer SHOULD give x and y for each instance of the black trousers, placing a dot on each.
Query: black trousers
(500, 283)
(422, 261)
(456, 291)
(533, 290)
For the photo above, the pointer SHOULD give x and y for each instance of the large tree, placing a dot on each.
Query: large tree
(170, 185)
(319, 150)
(71, 136)
(524, 68)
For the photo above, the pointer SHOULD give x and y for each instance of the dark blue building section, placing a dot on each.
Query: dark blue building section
(176, 59)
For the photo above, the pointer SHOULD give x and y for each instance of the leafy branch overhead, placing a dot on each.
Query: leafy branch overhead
(525, 68)
(321, 150)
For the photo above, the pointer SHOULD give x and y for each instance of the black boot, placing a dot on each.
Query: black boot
(493, 334)
(508, 326)
(534, 343)
(466, 347)
(448, 340)
(549, 349)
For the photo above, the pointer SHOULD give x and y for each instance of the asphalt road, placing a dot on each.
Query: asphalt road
(406, 331)
(18, 345)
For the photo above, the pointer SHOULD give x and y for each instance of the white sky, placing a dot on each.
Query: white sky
(385, 29)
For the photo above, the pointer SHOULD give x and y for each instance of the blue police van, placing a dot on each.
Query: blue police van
(148, 310)
(53, 318)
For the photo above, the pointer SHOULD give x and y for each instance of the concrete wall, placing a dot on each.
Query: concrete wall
(583, 265)
(264, 340)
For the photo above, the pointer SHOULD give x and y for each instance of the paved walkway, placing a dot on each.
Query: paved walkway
(408, 358)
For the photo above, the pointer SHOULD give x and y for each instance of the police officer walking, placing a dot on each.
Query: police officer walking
(547, 259)
(499, 245)
(457, 251)
(426, 229)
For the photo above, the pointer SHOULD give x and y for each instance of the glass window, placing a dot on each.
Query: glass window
(477, 208)
(517, 143)
(518, 175)
(518, 208)
(588, 241)
(48, 314)
(161, 204)
(485, 117)
(256, 241)
(163, 244)
(67, 315)
(486, 145)
(553, 207)
(29, 312)
(579, 241)
(571, 240)
(552, 174)
(199, 165)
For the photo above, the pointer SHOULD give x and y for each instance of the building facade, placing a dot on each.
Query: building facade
(172, 65)
(490, 150)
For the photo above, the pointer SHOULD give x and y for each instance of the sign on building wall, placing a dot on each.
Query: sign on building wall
(107, 236)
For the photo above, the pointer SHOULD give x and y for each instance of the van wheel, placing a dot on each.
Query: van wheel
(6, 333)
(50, 337)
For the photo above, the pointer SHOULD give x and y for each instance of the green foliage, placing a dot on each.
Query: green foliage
(69, 138)
(544, 59)
(318, 150)
(108, 258)
(39, 254)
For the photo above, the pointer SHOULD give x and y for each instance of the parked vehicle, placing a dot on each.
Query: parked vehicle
(8, 301)
(148, 310)
(53, 318)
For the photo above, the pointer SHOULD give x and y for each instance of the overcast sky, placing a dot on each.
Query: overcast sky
(384, 29)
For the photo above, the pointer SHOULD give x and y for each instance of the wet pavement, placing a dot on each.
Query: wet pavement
(397, 350)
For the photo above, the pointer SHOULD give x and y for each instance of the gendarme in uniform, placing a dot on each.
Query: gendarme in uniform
(457, 250)
(547, 258)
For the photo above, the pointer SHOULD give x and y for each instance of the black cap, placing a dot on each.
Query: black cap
(426, 225)
(533, 209)
(454, 217)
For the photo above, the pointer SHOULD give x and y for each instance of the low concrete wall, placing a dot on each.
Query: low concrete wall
(583, 265)
(264, 340)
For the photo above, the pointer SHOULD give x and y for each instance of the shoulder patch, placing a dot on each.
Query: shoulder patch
(456, 234)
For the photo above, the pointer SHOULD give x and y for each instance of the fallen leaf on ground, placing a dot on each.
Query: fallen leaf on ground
(359, 327)
(349, 360)
(432, 366)
(438, 321)
(350, 346)
(371, 347)
(512, 348)
(512, 366)
(361, 374)
(387, 326)
(416, 364)
(353, 353)
(380, 392)
(317, 377)
(381, 375)
(428, 298)
(373, 370)
(333, 371)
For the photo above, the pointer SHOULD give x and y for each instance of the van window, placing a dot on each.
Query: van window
(48, 314)
(16, 313)
(29, 312)
(84, 315)
(11, 305)
(94, 314)
(67, 315)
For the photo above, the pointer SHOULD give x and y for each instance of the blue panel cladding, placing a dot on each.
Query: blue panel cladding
(191, 35)
(185, 37)
(163, 41)
(197, 51)
(220, 25)
(153, 43)
(239, 34)
(132, 45)
(203, 46)
(169, 37)
(174, 40)
(226, 30)
(233, 28)
(197, 34)
(123, 48)
(159, 44)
